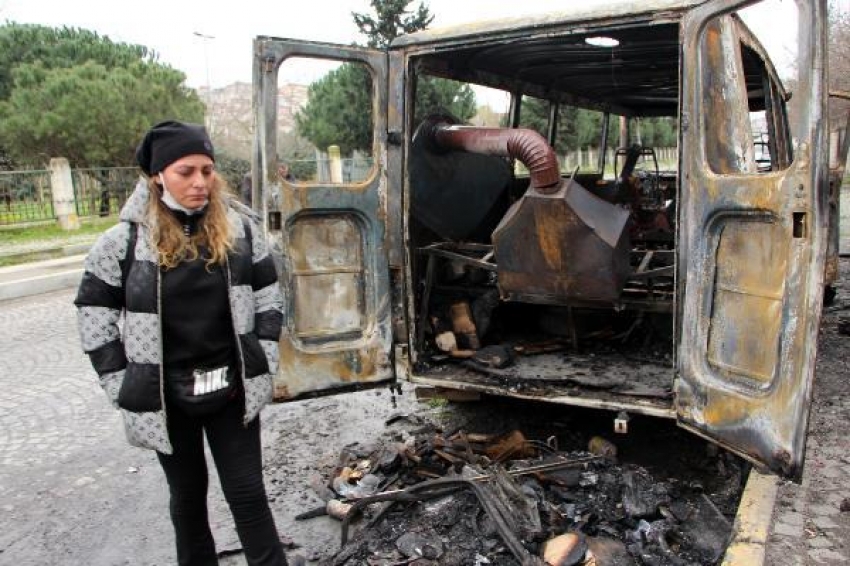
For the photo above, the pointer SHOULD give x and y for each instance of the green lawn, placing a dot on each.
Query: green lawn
(49, 237)
(52, 231)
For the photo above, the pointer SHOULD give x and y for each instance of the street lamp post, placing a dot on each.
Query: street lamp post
(206, 38)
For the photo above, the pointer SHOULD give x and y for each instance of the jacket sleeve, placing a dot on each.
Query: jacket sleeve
(268, 300)
(99, 302)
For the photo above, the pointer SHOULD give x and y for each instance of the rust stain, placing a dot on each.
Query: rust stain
(354, 365)
(301, 370)
(725, 412)
(549, 226)
(281, 391)
(729, 412)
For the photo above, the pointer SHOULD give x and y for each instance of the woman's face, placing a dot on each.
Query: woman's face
(190, 180)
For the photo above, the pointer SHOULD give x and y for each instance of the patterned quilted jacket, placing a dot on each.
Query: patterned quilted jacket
(128, 362)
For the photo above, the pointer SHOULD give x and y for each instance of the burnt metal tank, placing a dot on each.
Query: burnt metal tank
(559, 243)
(562, 247)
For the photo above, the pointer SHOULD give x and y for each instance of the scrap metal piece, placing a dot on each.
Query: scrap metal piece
(496, 356)
(509, 446)
(439, 487)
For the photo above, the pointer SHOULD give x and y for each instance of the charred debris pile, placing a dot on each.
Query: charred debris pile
(433, 496)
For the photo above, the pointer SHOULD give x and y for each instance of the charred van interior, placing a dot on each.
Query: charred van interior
(548, 284)
(541, 278)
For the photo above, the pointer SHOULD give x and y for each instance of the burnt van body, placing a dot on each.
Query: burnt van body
(474, 258)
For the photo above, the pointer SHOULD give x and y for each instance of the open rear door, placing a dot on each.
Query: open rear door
(752, 243)
(839, 140)
(328, 224)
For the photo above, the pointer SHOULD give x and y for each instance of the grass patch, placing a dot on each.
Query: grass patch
(51, 231)
(50, 239)
(438, 403)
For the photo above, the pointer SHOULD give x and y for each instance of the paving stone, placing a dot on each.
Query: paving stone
(820, 542)
(792, 518)
(827, 556)
(832, 471)
(823, 522)
(789, 558)
(823, 510)
(823, 536)
(787, 530)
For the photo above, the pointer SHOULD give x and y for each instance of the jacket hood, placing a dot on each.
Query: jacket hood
(137, 204)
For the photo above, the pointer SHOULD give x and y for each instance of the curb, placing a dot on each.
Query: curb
(29, 279)
(75, 249)
(40, 284)
(752, 522)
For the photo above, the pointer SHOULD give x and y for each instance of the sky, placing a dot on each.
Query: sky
(210, 41)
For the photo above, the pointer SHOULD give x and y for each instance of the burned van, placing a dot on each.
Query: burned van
(682, 281)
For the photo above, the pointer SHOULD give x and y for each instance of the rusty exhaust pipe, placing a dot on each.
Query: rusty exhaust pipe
(526, 145)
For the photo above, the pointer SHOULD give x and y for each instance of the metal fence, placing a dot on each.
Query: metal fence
(587, 159)
(102, 191)
(354, 169)
(25, 196)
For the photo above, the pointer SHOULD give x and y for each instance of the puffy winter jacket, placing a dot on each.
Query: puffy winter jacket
(129, 363)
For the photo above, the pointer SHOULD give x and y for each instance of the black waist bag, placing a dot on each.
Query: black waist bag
(202, 391)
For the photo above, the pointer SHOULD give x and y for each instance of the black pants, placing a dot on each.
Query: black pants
(237, 454)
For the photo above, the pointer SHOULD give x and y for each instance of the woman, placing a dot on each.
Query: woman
(189, 269)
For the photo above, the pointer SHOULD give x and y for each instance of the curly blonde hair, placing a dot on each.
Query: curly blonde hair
(214, 230)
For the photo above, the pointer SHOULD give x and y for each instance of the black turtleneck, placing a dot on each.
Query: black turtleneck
(189, 222)
(197, 328)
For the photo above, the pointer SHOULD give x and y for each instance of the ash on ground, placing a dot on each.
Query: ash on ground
(472, 486)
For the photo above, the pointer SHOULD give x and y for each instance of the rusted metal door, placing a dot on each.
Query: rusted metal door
(752, 244)
(329, 233)
(839, 141)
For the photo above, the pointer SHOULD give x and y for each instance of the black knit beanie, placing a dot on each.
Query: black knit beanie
(168, 141)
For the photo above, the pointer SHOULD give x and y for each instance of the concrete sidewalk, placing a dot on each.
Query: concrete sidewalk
(38, 277)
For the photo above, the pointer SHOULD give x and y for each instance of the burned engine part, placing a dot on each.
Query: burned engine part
(441, 179)
(559, 243)
(563, 247)
(525, 145)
